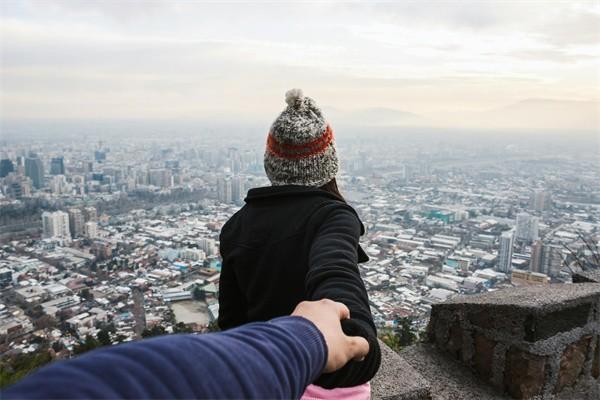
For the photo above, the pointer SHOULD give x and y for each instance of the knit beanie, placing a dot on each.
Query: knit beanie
(300, 146)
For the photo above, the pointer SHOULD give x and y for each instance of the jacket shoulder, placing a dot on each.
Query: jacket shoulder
(325, 208)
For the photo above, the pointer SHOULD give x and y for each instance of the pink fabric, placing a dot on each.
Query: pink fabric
(361, 392)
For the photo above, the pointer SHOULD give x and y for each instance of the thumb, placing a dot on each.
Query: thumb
(358, 348)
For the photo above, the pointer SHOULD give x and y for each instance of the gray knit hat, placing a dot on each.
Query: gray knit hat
(300, 146)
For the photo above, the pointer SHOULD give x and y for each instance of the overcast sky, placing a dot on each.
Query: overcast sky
(167, 59)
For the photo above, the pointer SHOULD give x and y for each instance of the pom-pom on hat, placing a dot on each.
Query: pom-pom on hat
(300, 146)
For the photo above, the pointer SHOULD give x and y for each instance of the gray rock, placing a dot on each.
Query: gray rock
(397, 380)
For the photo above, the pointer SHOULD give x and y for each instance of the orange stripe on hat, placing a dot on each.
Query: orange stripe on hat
(298, 151)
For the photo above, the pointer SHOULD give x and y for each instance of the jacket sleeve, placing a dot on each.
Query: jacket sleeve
(232, 302)
(333, 274)
(275, 359)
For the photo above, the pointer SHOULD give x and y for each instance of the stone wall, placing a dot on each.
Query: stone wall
(526, 341)
(587, 276)
(397, 380)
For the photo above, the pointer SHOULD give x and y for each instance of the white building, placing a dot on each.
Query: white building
(224, 190)
(192, 254)
(59, 185)
(208, 246)
(56, 225)
(237, 190)
(540, 200)
(527, 227)
(505, 252)
(90, 230)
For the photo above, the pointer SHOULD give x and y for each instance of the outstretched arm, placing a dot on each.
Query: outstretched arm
(275, 359)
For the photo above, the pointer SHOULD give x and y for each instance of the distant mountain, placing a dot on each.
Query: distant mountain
(543, 113)
(375, 116)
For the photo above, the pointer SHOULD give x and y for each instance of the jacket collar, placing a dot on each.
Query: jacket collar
(286, 190)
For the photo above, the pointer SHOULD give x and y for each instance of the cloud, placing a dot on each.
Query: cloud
(552, 55)
(573, 27)
(180, 59)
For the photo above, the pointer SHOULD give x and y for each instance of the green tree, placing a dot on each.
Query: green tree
(156, 330)
(180, 327)
(213, 326)
(388, 337)
(104, 338)
(57, 346)
(90, 343)
(401, 336)
(405, 332)
(120, 338)
(15, 368)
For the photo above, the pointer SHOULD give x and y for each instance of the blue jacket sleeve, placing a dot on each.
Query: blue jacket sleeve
(275, 359)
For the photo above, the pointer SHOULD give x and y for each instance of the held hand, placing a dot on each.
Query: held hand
(326, 316)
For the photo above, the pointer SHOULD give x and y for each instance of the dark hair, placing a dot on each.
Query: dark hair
(332, 188)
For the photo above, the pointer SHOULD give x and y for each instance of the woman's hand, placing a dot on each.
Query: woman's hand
(326, 315)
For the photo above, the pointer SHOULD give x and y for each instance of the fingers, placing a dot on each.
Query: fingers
(343, 311)
(358, 348)
(326, 314)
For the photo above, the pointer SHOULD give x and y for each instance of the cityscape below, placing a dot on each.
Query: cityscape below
(117, 236)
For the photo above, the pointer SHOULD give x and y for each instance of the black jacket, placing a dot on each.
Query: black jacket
(289, 244)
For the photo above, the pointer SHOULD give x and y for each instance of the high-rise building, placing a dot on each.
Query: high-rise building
(57, 166)
(224, 190)
(552, 259)
(90, 230)
(208, 246)
(59, 185)
(100, 156)
(34, 169)
(505, 252)
(139, 313)
(56, 225)
(535, 264)
(20, 161)
(19, 186)
(6, 167)
(527, 227)
(90, 214)
(540, 200)
(237, 190)
(76, 222)
(160, 177)
(78, 184)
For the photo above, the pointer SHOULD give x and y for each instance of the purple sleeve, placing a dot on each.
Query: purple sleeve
(275, 359)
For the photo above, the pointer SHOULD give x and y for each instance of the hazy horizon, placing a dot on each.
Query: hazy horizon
(523, 66)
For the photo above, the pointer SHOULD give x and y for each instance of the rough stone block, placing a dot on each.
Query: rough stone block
(514, 338)
(543, 326)
(524, 374)
(483, 319)
(397, 380)
(504, 319)
(454, 344)
(533, 313)
(586, 276)
(483, 359)
(596, 360)
(571, 363)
